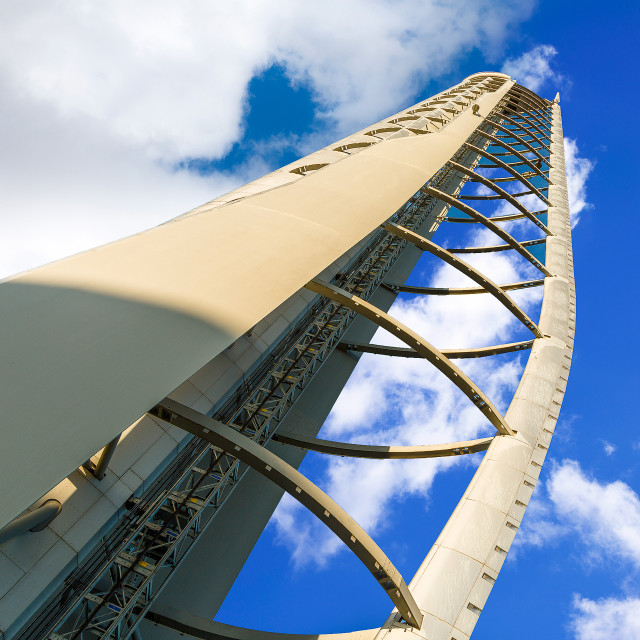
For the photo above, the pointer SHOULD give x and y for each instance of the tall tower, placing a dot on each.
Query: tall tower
(163, 389)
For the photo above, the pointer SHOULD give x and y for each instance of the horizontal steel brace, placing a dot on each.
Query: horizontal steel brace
(452, 354)
(511, 216)
(348, 449)
(497, 247)
(441, 291)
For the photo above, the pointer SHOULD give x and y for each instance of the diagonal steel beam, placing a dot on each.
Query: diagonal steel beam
(511, 170)
(499, 231)
(424, 348)
(298, 486)
(536, 101)
(501, 192)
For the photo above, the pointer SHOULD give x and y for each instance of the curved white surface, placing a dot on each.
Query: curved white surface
(93, 341)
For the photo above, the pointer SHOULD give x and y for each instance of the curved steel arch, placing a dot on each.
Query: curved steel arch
(518, 154)
(528, 131)
(500, 193)
(304, 491)
(509, 169)
(521, 140)
(536, 101)
(541, 127)
(426, 245)
(501, 233)
(424, 348)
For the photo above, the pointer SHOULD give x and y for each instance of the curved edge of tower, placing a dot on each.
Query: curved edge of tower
(454, 581)
(233, 329)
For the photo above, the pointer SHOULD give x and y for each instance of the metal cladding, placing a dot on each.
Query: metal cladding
(125, 330)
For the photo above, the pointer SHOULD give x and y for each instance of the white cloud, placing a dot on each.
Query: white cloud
(609, 448)
(605, 619)
(606, 514)
(533, 68)
(578, 171)
(605, 517)
(99, 102)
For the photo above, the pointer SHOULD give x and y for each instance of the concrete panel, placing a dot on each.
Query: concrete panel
(444, 588)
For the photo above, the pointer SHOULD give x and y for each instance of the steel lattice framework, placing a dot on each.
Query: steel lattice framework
(520, 141)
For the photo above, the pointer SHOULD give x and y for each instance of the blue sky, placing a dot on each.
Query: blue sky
(126, 118)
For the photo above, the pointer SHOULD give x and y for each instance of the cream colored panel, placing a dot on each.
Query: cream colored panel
(93, 341)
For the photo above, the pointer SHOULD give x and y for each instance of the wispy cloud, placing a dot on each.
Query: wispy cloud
(604, 517)
(609, 448)
(533, 68)
(606, 618)
(578, 171)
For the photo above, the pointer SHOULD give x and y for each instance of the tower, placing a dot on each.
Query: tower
(199, 360)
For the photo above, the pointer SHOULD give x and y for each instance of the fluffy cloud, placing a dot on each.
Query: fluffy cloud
(606, 618)
(578, 171)
(533, 68)
(101, 102)
(604, 516)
